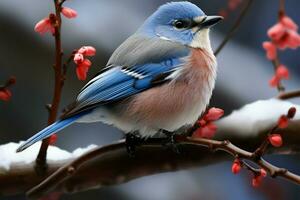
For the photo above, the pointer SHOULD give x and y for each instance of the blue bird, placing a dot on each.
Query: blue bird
(160, 78)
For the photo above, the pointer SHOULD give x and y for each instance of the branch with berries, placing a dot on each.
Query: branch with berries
(283, 35)
(111, 164)
(206, 129)
(52, 24)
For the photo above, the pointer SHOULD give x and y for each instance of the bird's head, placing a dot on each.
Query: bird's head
(181, 22)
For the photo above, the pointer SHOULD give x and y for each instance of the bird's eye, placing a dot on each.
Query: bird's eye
(182, 24)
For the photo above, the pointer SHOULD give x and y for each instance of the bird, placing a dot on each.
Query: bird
(160, 78)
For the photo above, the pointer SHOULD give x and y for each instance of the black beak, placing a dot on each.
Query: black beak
(210, 21)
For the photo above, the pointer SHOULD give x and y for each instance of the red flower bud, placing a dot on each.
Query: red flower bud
(275, 140)
(288, 23)
(276, 32)
(52, 139)
(283, 121)
(256, 181)
(5, 94)
(274, 81)
(293, 40)
(68, 12)
(263, 173)
(44, 26)
(207, 131)
(282, 72)
(78, 58)
(214, 114)
(82, 69)
(87, 51)
(202, 122)
(270, 49)
(236, 166)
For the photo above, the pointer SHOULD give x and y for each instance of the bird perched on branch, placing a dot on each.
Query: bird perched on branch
(160, 78)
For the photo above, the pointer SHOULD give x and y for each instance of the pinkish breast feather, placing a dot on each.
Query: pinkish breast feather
(179, 102)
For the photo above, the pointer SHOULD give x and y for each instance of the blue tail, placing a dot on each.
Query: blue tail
(49, 130)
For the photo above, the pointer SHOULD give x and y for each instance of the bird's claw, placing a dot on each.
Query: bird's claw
(171, 142)
(132, 141)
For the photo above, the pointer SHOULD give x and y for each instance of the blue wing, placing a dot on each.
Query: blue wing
(120, 82)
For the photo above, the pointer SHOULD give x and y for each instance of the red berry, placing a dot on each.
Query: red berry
(5, 94)
(283, 121)
(270, 49)
(275, 140)
(282, 72)
(52, 139)
(274, 81)
(236, 166)
(291, 112)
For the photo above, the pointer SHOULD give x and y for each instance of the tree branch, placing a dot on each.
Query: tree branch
(289, 95)
(41, 164)
(235, 27)
(64, 176)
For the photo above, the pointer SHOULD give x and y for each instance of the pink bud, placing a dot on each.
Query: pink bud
(202, 122)
(214, 114)
(263, 173)
(283, 121)
(288, 23)
(274, 81)
(256, 181)
(236, 166)
(276, 31)
(87, 50)
(293, 40)
(53, 139)
(78, 58)
(68, 12)
(283, 42)
(275, 140)
(282, 72)
(82, 69)
(5, 94)
(207, 131)
(270, 49)
(44, 26)
(86, 63)
(81, 73)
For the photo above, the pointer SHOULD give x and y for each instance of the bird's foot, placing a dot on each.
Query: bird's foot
(132, 140)
(171, 141)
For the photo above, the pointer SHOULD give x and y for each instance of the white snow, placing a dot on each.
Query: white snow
(257, 116)
(9, 157)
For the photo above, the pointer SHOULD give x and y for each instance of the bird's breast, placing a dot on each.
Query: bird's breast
(179, 102)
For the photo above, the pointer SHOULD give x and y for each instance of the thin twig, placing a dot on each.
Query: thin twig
(289, 95)
(276, 64)
(281, 8)
(235, 27)
(41, 164)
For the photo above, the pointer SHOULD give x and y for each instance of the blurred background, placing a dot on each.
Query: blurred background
(242, 78)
